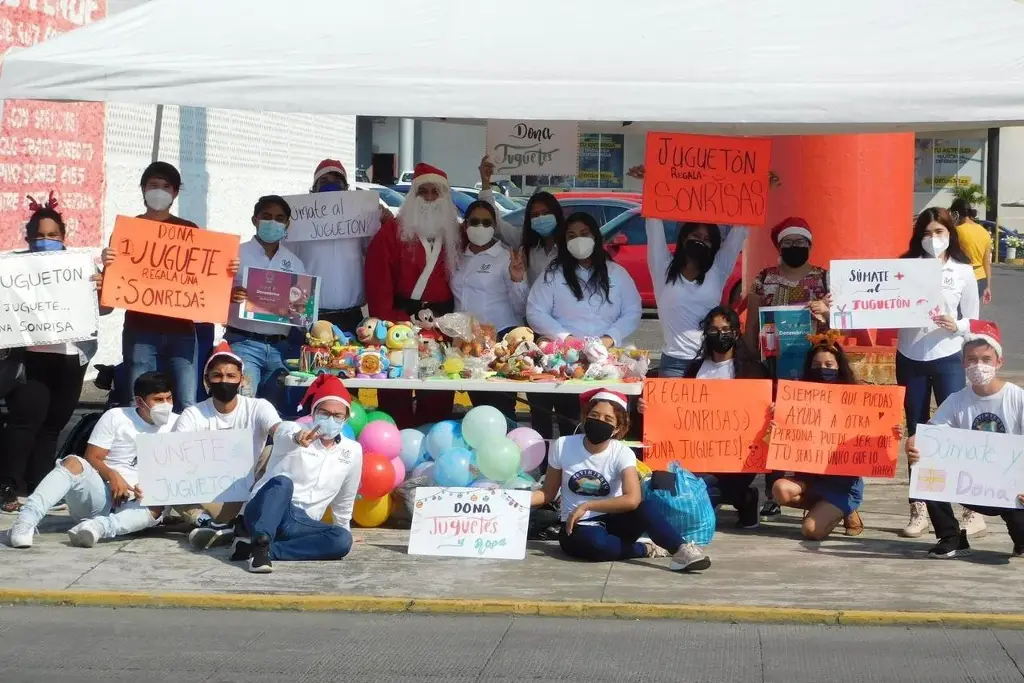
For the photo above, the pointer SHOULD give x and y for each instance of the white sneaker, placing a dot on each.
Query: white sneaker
(20, 535)
(85, 534)
(918, 523)
(654, 550)
(689, 558)
(973, 524)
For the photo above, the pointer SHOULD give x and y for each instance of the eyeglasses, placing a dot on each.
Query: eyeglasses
(336, 416)
(794, 242)
(477, 222)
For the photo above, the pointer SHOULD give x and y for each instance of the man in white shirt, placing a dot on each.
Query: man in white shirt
(308, 472)
(263, 346)
(102, 488)
(987, 404)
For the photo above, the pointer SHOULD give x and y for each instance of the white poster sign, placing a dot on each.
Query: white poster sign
(47, 298)
(885, 293)
(333, 215)
(180, 468)
(533, 147)
(464, 522)
(969, 467)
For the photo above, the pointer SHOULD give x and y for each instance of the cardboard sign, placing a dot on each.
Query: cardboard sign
(885, 293)
(333, 215)
(463, 522)
(968, 467)
(274, 296)
(783, 338)
(846, 429)
(47, 298)
(706, 178)
(181, 468)
(707, 425)
(170, 270)
(533, 147)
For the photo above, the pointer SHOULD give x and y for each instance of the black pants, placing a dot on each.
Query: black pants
(946, 525)
(347, 319)
(728, 489)
(63, 377)
(26, 409)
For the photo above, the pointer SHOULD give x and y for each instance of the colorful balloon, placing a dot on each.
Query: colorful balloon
(378, 416)
(381, 437)
(399, 470)
(425, 429)
(482, 424)
(371, 512)
(532, 447)
(378, 476)
(453, 468)
(356, 417)
(424, 469)
(498, 458)
(441, 437)
(412, 447)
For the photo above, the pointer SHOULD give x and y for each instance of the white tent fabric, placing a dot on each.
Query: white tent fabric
(766, 65)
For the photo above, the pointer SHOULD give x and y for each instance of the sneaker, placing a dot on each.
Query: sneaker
(85, 534)
(973, 524)
(749, 510)
(260, 562)
(241, 550)
(918, 523)
(9, 504)
(770, 509)
(950, 547)
(211, 534)
(689, 558)
(654, 550)
(20, 535)
(854, 524)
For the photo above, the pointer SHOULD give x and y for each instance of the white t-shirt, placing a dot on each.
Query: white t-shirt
(709, 369)
(256, 414)
(115, 431)
(1002, 412)
(483, 287)
(587, 476)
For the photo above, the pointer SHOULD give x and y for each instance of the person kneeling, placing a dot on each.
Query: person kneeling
(101, 489)
(603, 515)
(308, 471)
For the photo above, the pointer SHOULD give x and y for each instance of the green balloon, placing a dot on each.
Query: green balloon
(375, 415)
(498, 458)
(357, 417)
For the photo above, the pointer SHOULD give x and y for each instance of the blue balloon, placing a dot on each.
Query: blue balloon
(412, 448)
(348, 432)
(453, 468)
(441, 437)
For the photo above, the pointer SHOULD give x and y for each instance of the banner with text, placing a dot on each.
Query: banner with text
(170, 270)
(706, 425)
(46, 298)
(845, 429)
(333, 215)
(464, 522)
(534, 147)
(275, 296)
(968, 467)
(706, 178)
(180, 468)
(885, 293)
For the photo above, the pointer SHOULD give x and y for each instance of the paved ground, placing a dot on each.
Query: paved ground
(83, 645)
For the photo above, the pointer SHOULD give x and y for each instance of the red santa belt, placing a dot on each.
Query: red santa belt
(414, 306)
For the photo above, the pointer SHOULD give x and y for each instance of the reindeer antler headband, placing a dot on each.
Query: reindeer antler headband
(828, 338)
(33, 205)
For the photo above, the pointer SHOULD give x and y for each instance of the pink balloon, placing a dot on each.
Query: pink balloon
(381, 437)
(532, 447)
(399, 470)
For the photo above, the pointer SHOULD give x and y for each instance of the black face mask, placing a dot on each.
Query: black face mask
(700, 253)
(823, 375)
(597, 431)
(794, 257)
(721, 342)
(224, 392)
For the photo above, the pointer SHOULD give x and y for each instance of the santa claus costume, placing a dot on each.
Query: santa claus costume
(408, 265)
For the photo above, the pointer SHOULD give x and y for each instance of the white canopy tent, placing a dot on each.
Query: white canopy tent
(750, 65)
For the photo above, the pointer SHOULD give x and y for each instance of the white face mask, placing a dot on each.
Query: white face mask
(160, 414)
(158, 200)
(581, 247)
(979, 374)
(480, 234)
(936, 246)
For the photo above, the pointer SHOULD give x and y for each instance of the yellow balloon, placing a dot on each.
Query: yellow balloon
(371, 512)
(328, 517)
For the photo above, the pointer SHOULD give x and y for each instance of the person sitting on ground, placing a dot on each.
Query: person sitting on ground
(309, 471)
(603, 515)
(102, 489)
(988, 404)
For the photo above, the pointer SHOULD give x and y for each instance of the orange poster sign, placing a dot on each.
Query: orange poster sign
(170, 270)
(836, 429)
(706, 425)
(706, 178)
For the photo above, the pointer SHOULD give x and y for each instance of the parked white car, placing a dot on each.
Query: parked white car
(388, 197)
(505, 205)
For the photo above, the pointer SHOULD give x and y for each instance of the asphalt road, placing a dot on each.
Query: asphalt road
(179, 646)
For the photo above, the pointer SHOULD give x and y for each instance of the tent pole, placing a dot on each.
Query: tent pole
(156, 131)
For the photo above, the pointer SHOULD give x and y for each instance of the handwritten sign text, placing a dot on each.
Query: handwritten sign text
(467, 522)
(543, 147)
(333, 215)
(885, 293)
(180, 468)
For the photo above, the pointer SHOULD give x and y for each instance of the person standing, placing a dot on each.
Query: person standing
(26, 407)
(976, 243)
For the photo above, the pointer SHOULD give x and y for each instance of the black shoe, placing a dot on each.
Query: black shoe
(950, 547)
(1018, 550)
(770, 509)
(9, 501)
(260, 562)
(241, 550)
(749, 509)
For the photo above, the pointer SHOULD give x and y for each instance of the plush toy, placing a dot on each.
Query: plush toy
(372, 332)
(400, 337)
(371, 364)
(518, 340)
(321, 335)
(453, 367)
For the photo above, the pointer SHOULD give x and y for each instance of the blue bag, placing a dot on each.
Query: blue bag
(682, 499)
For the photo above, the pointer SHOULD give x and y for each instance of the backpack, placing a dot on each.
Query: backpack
(682, 499)
(78, 437)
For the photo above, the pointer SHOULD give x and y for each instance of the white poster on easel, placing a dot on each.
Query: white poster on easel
(533, 147)
(467, 522)
(885, 293)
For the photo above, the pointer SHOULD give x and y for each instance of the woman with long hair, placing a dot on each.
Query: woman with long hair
(929, 359)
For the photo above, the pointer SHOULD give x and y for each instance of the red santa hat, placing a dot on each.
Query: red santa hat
(988, 332)
(789, 227)
(329, 166)
(604, 395)
(425, 174)
(326, 388)
(223, 350)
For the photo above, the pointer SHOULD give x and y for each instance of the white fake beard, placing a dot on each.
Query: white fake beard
(419, 218)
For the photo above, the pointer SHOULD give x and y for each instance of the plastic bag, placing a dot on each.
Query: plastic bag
(682, 499)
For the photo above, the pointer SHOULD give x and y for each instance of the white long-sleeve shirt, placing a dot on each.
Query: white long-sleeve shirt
(512, 236)
(483, 288)
(322, 476)
(959, 292)
(509, 234)
(682, 304)
(553, 311)
(339, 265)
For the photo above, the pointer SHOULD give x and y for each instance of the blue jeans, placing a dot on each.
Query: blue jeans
(670, 366)
(264, 365)
(615, 537)
(293, 534)
(172, 353)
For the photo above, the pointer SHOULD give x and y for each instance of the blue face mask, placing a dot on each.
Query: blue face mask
(544, 225)
(271, 231)
(330, 187)
(330, 427)
(46, 245)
